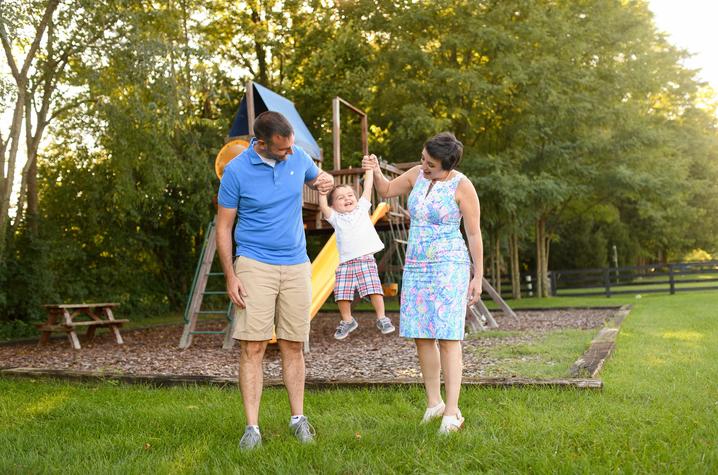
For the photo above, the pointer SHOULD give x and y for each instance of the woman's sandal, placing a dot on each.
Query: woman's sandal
(451, 424)
(433, 412)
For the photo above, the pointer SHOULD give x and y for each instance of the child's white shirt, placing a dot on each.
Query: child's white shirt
(356, 235)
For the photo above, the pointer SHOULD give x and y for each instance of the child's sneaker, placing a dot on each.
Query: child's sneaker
(384, 325)
(345, 328)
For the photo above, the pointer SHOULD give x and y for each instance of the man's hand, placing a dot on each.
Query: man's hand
(236, 291)
(474, 291)
(324, 182)
(370, 162)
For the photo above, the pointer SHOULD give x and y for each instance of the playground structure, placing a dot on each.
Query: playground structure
(390, 217)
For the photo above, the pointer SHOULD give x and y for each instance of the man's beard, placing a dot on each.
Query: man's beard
(272, 156)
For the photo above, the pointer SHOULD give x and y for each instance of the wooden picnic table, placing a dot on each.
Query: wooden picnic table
(62, 318)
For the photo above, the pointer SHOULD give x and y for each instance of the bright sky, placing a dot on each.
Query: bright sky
(692, 25)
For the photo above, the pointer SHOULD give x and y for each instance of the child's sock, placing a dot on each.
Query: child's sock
(295, 419)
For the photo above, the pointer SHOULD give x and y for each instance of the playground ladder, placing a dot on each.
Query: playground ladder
(193, 311)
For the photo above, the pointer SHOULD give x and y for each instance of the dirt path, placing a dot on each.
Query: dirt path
(365, 354)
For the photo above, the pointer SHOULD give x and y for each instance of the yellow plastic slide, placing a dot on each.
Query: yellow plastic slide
(326, 263)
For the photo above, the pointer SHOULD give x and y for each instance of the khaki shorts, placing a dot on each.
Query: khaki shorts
(277, 297)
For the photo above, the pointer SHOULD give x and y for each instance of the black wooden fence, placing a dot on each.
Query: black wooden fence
(528, 285)
(654, 278)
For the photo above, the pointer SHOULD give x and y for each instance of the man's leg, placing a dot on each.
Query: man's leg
(251, 377)
(293, 373)
(293, 308)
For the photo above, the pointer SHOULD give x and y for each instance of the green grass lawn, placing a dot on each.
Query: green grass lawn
(548, 356)
(657, 413)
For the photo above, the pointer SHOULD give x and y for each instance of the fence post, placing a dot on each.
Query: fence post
(554, 286)
(607, 281)
(671, 279)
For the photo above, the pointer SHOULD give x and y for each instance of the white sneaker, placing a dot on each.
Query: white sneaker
(451, 424)
(433, 412)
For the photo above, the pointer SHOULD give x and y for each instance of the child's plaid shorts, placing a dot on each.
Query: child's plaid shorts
(357, 274)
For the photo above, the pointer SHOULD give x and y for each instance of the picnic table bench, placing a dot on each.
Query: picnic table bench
(61, 318)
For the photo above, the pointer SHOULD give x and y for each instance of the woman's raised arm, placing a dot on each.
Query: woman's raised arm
(386, 188)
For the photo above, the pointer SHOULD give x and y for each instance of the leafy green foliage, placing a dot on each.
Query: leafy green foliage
(579, 122)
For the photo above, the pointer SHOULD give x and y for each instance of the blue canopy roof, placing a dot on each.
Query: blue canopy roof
(265, 100)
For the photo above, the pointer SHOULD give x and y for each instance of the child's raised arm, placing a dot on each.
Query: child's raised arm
(326, 210)
(368, 185)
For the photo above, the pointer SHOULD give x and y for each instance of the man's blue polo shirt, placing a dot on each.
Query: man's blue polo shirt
(269, 204)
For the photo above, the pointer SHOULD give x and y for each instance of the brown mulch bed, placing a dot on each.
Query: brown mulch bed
(364, 354)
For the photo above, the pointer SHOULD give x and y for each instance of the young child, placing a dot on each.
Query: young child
(357, 241)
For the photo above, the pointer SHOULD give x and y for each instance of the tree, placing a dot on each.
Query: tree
(62, 33)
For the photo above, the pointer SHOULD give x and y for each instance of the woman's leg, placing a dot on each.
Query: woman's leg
(452, 365)
(430, 369)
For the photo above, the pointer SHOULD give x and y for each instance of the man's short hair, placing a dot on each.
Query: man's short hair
(270, 123)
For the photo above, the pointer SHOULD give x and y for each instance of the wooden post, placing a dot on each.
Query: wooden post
(484, 310)
(607, 281)
(72, 335)
(671, 279)
(554, 284)
(364, 135)
(198, 293)
(336, 131)
(115, 329)
(249, 94)
(228, 343)
(497, 298)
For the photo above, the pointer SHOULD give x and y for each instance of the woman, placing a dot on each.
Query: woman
(437, 283)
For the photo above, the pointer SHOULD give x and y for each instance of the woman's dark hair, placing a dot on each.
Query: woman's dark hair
(270, 123)
(446, 148)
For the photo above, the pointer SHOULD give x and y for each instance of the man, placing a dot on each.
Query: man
(270, 280)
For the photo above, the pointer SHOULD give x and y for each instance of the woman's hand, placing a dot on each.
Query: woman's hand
(474, 290)
(370, 162)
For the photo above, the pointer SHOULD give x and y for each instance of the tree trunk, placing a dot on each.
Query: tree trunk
(547, 248)
(260, 51)
(515, 271)
(6, 182)
(497, 262)
(542, 249)
(539, 257)
(20, 74)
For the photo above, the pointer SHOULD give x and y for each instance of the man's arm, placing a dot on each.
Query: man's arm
(225, 223)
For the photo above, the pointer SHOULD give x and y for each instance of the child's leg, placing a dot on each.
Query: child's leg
(377, 301)
(345, 309)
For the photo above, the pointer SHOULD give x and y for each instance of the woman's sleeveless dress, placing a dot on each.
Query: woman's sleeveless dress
(437, 266)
